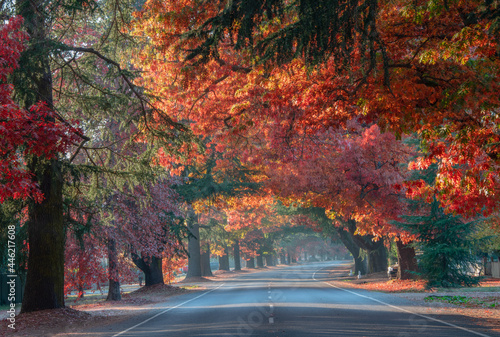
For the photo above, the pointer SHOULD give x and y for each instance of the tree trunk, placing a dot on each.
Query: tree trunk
(353, 248)
(359, 265)
(205, 261)
(283, 258)
(377, 258)
(376, 251)
(250, 262)
(260, 261)
(194, 258)
(81, 291)
(44, 287)
(45, 278)
(270, 260)
(114, 293)
(154, 274)
(224, 260)
(151, 266)
(237, 260)
(407, 262)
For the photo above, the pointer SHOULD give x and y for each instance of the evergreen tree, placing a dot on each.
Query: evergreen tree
(444, 240)
(446, 245)
(76, 64)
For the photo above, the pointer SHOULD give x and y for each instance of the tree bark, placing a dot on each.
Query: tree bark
(44, 287)
(260, 261)
(283, 258)
(353, 248)
(205, 261)
(407, 262)
(155, 272)
(114, 293)
(194, 258)
(359, 265)
(377, 258)
(376, 251)
(270, 260)
(151, 266)
(224, 260)
(250, 262)
(237, 260)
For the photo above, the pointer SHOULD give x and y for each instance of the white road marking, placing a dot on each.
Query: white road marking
(271, 320)
(402, 309)
(167, 310)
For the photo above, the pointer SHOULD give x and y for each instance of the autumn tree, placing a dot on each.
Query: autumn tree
(266, 77)
(68, 51)
(21, 124)
(206, 183)
(290, 69)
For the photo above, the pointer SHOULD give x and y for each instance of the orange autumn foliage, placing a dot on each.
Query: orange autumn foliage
(434, 72)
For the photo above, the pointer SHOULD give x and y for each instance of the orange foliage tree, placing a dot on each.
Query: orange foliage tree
(425, 67)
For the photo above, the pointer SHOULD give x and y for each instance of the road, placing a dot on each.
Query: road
(290, 301)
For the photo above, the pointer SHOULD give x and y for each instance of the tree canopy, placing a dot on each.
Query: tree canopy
(126, 123)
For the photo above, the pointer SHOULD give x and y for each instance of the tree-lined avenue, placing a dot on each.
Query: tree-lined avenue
(289, 301)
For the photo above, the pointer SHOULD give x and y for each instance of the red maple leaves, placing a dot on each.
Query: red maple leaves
(23, 132)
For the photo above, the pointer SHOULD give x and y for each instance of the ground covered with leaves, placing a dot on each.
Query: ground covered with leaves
(88, 313)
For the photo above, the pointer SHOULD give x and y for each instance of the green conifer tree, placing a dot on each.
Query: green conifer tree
(444, 240)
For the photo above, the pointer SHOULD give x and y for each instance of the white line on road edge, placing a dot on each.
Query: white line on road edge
(402, 309)
(167, 310)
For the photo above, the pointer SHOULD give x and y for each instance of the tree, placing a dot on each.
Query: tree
(73, 48)
(271, 72)
(84, 253)
(20, 126)
(445, 242)
(444, 239)
(148, 222)
(208, 183)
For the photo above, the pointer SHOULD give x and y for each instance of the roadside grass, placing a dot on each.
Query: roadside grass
(72, 300)
(478, 289)
(489, 302)
(142, 294)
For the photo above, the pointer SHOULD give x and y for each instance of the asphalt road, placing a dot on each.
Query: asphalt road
(290, 301)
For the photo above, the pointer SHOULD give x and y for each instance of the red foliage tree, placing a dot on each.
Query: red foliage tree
(34, 131)
(425, 68)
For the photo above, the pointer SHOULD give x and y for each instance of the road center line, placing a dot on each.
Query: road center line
(401, 309)
(167, 310)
